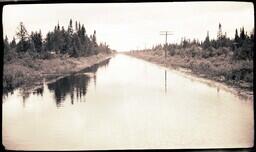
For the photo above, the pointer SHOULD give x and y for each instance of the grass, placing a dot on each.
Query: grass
(219, 67)
(25, 71)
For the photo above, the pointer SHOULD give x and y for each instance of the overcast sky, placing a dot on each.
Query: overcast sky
(127, 26)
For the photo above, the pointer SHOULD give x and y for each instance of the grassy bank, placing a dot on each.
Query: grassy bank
(221, 68)
(26, 71)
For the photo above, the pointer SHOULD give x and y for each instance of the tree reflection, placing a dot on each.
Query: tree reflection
(39, 91)
(25, 95)
(69, 85)
(74, 85)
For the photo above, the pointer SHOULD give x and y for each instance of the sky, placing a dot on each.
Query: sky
(130, 26)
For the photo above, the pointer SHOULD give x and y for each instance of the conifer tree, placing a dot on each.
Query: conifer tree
(22, 35)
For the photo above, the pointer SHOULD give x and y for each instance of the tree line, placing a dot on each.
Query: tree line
(241, 46)
(223, 58)
(73, 41)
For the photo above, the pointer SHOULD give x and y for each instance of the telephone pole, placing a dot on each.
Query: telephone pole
(166, 33)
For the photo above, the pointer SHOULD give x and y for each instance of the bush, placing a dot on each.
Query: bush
(171, 52)
(248, 77)
(212, 51)
(206, 54)
(204, 66)
(46, 55)
(10, 56)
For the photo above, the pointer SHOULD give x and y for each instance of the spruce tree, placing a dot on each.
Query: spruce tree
(22, 35)
(13, 43)
(6, 45)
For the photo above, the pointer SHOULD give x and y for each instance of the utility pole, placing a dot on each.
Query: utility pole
(166, 33)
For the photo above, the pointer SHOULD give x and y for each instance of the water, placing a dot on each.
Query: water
(126, 103)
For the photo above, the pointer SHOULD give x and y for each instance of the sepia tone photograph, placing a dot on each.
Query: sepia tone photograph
(125, 76)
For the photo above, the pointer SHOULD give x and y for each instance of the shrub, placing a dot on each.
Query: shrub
(248, 77)
(172, 52)
(10, 56)
(46, 55)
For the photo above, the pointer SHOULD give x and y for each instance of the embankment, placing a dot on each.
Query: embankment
(235, 75)
(27, 72)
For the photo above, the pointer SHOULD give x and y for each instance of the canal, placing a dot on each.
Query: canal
(126, 103)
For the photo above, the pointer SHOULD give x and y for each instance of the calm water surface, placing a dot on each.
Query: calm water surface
(126, 103)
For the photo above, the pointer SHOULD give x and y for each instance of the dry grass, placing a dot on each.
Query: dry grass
(27, 71)
(236, 73)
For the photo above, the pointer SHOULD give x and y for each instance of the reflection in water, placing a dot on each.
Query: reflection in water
(165, 80)
(94, 80)
(39, 91)
(74, 84)
(25, 95)
(6, 94)
(129, 109)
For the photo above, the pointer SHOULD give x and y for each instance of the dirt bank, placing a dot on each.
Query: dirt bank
(201, 68)
(27, 73)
